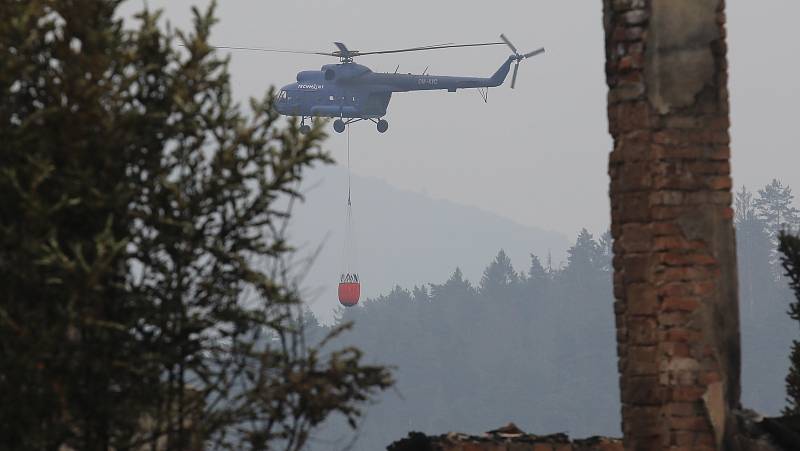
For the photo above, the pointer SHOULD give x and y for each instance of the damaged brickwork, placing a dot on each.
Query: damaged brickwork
(674, 253)
(507, 438)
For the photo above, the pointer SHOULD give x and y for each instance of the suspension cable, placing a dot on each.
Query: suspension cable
(348, 166)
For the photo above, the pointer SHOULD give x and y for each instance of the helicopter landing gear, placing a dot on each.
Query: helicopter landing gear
(338, 126)
(304, 129)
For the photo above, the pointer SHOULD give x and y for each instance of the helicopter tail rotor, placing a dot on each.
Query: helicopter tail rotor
(518, 57)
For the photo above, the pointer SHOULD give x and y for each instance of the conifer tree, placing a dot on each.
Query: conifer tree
(146, 297)
(774, 207)
(420, 294)
(585, 260)
(456, 286)
(606, 250)
(790, 248)
(754, 249)
(499, 276)
(537, 274)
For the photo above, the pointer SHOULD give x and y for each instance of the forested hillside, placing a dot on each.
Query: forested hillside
(402, 237)
(537, 346)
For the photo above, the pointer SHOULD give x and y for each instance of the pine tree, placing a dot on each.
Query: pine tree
(606, 247)
(745, 207)
(420, 294)
(499, 276)
(456, 286)
(537, 274)
(146, 295)
(585, 260)
(753, 249)
(790, 248)
(774, 206)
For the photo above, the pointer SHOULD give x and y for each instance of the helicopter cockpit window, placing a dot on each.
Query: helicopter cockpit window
(282, 96)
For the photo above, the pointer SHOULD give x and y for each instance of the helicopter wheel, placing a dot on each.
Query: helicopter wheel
(305, 129)
(338, 125)
(383, 126)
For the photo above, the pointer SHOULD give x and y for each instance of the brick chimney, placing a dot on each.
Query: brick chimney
(674, 252)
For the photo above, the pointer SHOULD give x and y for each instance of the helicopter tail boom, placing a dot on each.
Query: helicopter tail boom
(426, 82)
(500, 76)
(410, 82)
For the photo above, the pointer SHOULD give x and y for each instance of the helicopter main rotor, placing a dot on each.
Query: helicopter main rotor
(346, 55)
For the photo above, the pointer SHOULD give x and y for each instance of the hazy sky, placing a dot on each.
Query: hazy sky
(537, 154)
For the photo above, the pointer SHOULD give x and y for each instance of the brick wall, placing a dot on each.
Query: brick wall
(674, 281)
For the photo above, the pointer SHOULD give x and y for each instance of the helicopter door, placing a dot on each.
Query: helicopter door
(377, 102)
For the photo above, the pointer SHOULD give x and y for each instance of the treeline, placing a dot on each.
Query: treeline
(534, 346)
(537, 347)
(764, 295)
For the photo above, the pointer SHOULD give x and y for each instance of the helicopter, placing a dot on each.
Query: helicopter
(351, 92)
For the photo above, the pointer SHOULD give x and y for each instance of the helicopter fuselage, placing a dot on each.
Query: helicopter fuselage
(353, 91)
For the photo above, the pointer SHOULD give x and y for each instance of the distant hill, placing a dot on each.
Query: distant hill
(403, 237)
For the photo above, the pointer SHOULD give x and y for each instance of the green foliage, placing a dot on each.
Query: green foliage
(790, 248)
(146, 295)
